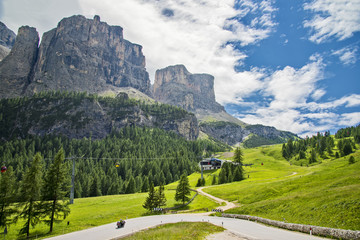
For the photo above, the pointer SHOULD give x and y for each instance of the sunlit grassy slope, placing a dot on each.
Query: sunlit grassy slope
(90, 212)
(183, 231)
(326, 194)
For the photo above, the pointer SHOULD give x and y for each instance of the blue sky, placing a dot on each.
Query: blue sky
(290, 64)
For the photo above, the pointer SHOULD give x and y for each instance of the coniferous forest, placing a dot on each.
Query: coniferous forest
(126, 161)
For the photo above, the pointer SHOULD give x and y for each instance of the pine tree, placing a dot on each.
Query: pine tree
(238, 174)
(313, 157)
(95, 188)
(160, 196)
(183, 190)
(30, 193)
(56, 185)
(150, 202)
(238, 156)
(130, 188)
(223, 176)
(7, 197)
(213, 182)
(145, 186)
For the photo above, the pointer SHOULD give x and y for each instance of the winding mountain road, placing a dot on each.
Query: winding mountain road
(241, 228)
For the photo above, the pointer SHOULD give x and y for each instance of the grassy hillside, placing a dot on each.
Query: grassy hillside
(327, 194)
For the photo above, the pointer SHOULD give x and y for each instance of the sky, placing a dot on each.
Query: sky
(291, 64)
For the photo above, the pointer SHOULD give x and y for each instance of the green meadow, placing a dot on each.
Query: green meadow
(183, 230)
(96, 211)
(325, 194)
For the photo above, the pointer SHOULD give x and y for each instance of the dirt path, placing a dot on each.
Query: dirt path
(228, 205)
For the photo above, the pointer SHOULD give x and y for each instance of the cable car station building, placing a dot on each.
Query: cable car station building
(211, 163)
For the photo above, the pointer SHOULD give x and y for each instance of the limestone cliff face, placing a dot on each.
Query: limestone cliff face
(88, 55)
(175, 85)
(16, 68)
(7, 37)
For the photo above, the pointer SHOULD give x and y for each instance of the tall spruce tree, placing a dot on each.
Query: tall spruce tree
(238, 174)
(183, 190)
(56, 185)
(30, 195)
(238, 156)
(150, 202)
(160, 196)
(7, 197)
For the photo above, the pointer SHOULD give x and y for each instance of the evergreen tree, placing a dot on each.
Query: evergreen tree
(223, 176)
(238, 156)
(238, 174)
(95, 187)
(30, 193)
(347, 149)
(183, 190)
(313, 157)
(130, 188)
(160, 196)
(7, 197)
(150, 202)
(213, 182)
(56, 186)
(145, 186)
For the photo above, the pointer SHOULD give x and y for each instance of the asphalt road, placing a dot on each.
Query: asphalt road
(246, 229)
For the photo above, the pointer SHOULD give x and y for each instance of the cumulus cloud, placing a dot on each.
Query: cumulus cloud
(347, 55)
(333, 18)
(293, 105)
(41, 14)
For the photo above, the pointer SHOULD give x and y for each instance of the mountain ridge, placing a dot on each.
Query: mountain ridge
(87, 55)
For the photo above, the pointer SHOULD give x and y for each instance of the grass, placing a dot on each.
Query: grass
(96, 211)
(326, 194)
(183, 230)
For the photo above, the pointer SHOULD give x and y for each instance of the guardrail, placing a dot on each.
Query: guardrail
(314, 230)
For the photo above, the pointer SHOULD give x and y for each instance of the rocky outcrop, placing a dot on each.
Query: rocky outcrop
(7, 37)
(175, 85)
(88, 55)
(77, 115)
(16, 68)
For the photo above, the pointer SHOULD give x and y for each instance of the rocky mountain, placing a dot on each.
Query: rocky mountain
(79, 55)
(78, 115)
(87, 55)
(7, 40)
(7, 37)
(175, 85)
(17, 67)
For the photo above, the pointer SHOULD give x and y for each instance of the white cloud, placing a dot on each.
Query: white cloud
(196, 34)
(347, 55)
(41, 14)
(333, 18)
(293, 102)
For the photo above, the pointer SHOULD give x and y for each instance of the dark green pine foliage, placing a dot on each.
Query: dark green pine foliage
(95, 187)
(214, 181)
(313, 157)
(238, 156)
(183, 190)
(150, 202)
(130, 188)
(30, 195)
(7, 197)
(145, 185)
(238, 174)
(160, 196)
(223, 175)
(56, 185)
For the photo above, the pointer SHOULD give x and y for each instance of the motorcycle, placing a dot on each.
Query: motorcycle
(120, 224)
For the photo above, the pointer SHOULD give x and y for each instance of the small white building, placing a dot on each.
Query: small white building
(211, 163)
